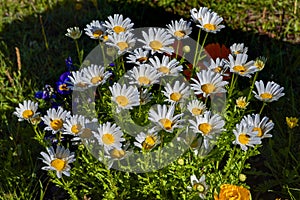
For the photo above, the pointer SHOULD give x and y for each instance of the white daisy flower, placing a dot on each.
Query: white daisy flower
(198, 185)
(117, 154)
(74, 33)
(96, 30)
(123, 41)
(218, 66)
(109, 135)
(147, 141)
(94, 75)
(240, 66)
(78, 81)
(27, 110)
(143, 75)
(198, 15)
(74, 126)
(138, 56)
(272, 91)
(180, 29)
(196, 107)
(238, 48)
(208, 82)
(245, 136)
(262, 126)
(125, 97)
(260, 62)
(55, 119)
(164, 117)
(211, 22)
(208, 125)
(166, 66)
(117, 25)
(176, 93)
(58, 160)
(157, 40)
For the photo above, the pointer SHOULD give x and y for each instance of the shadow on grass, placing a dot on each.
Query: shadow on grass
(43, 64)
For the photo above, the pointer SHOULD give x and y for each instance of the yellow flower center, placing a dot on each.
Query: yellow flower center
(240, 69)
(81, 84)
(122, 45)
(117, 153)
(76, 128)
(164, 69)
(142, 59)
(63, 87)
(197, 111)
(118, 29)
(260, 132)
(198, 187)
(208, 88)
(180, 33)
(241, 103)
(156, 45)
(58, 164)
(167, 124)
(56, 124)
(27, 114)
(244, 138)
(143, 80)
(105, 37)
(210, 27)
(205, 128)
(292, 122)
(108, 139)
(259, 64)
(96, 79)
(122, 101)
(266, 95)
(149, 142)
(218, 69)
(86, 133)
(97, 33)
(175, 96)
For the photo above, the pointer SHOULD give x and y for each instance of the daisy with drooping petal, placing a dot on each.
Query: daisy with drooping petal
(117, 25)
(245, 136)
(211, 22)
(208, 125)
(262, 126)
(74, 33)
(145, 96)
(260, 62)
(58, 160)
(180, 29)
(198, 185)
(55, 119)
(74, 126)
(218, 66)
(242, 103)
(138, 56)
(238, 48)
(164, 117)
(166, 66)
(78, 81)
(176, 93)
(96, 30)
(125, 97)
(117, 154)
(147, 141)
(272, 91)
(198, 15)
(196, 107)
(157, 40)
(208, 82)
(143, 75)
(109, 135)
(27, 110)
(240, 66)
(123, 41)
(94, 75)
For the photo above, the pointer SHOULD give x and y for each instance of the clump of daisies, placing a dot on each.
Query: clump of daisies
(127, 110)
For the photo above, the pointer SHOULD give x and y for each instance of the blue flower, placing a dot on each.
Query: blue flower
(63, 84)
(69, 63)
(46, 94)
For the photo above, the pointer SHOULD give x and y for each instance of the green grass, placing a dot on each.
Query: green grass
(269, 28)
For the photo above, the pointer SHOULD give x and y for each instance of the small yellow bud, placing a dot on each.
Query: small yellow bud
(186, 49)
(242, 177)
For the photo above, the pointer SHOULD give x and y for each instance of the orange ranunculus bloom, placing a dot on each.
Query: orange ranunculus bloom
(233, 192)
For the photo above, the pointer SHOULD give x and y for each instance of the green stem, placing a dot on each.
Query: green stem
(252, 86)
(78, 52)
(71, 193)
(231, 158)
(232, 85)
(196, 51)
(177, 49)
(103, 53)
(264, 104)
(202, 46)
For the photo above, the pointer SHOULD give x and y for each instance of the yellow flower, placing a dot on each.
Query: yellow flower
(242, 103)
(228, 191)
(292, 122)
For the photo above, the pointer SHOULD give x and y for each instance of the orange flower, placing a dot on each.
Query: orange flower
(215, 50)
(228, 192)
